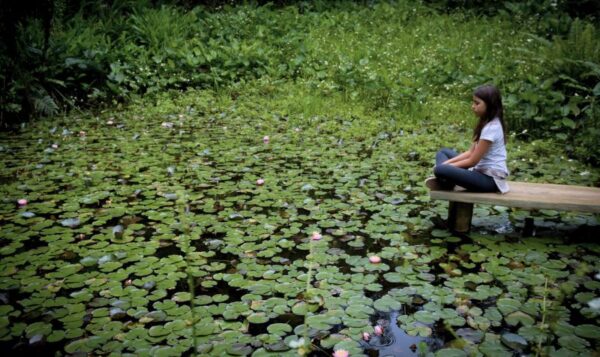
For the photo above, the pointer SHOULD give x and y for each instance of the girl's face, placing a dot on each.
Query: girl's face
(478, 107)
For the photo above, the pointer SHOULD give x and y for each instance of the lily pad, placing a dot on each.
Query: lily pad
(71, 222)
(514, 318)
(588, 331)
(574, 343)
(450, 352)
(258, 318)
(507, 306)
(514, 341)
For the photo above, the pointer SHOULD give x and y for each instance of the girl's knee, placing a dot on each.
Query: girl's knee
(440, 170)
(442, 151)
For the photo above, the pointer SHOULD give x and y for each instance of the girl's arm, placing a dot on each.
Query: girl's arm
(480, 149)
(463, 156)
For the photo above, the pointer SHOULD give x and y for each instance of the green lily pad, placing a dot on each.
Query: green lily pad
(387, 304)
(514, 318)
(493, 349)
(507, 306)
(588, 331)
(158, 331)
(450, 352)
(258, 318)
(574, 343)
(514, 341)
(181, 296)
(279, 329)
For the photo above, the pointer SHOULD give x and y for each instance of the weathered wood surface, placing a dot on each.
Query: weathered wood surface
(531, 196)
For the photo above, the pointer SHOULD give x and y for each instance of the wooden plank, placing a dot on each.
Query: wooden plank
(531, 196)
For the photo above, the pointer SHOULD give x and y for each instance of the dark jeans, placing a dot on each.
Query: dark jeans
(448, 175)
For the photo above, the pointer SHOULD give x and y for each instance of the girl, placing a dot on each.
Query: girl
(483, 167)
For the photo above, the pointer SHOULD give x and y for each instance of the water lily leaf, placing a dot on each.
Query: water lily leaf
(440, 233)
(323, 321)
(68, 270)
(425, 317)
(387, 304)
(88, 261)
(38, 328)
(258, 318)
(470, 335)
(506, 306)
(239, 349)
(170, 196)
(302, 308)
(56, 336)
(393, 277)
(181, 296)
(158, 331)
(514, 341)
(588, 331)
(418, 330)
(70, 222)
(493, 349)
(280, 329)
(514, 318)
(82, 345)
(534, 334)
(574, 343)
(450, 352)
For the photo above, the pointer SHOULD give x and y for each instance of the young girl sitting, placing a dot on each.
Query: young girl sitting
(483, 167)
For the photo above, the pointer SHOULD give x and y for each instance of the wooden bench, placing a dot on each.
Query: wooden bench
(524, 195)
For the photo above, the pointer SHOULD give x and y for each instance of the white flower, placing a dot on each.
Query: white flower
(297, 343)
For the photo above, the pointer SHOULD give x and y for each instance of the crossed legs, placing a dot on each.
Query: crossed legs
(448, 176)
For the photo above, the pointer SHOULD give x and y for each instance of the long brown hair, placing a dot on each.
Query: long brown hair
(493, 109)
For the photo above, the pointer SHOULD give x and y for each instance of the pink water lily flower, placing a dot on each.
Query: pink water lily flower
(366, 336)
(82, 133)
(316, 236)
(260, 182)
(266, 139)
(22, 202)
(341, 353)
(375, 259)
(378, 330)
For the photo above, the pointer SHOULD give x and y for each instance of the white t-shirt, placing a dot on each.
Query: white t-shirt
(495, 157)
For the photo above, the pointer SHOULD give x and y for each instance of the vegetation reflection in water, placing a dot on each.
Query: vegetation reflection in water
(118, 218)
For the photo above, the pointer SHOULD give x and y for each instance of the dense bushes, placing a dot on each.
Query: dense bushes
(392, 56)
(94, 60)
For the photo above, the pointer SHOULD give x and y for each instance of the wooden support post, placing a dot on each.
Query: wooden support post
(528, 227)
(459, 216)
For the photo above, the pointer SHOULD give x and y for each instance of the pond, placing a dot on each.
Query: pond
(154, 236)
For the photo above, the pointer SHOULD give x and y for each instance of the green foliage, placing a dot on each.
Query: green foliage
(394, 58)
(561, 99)
(137, 223)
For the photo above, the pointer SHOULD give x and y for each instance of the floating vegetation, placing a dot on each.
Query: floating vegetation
(199, 238)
